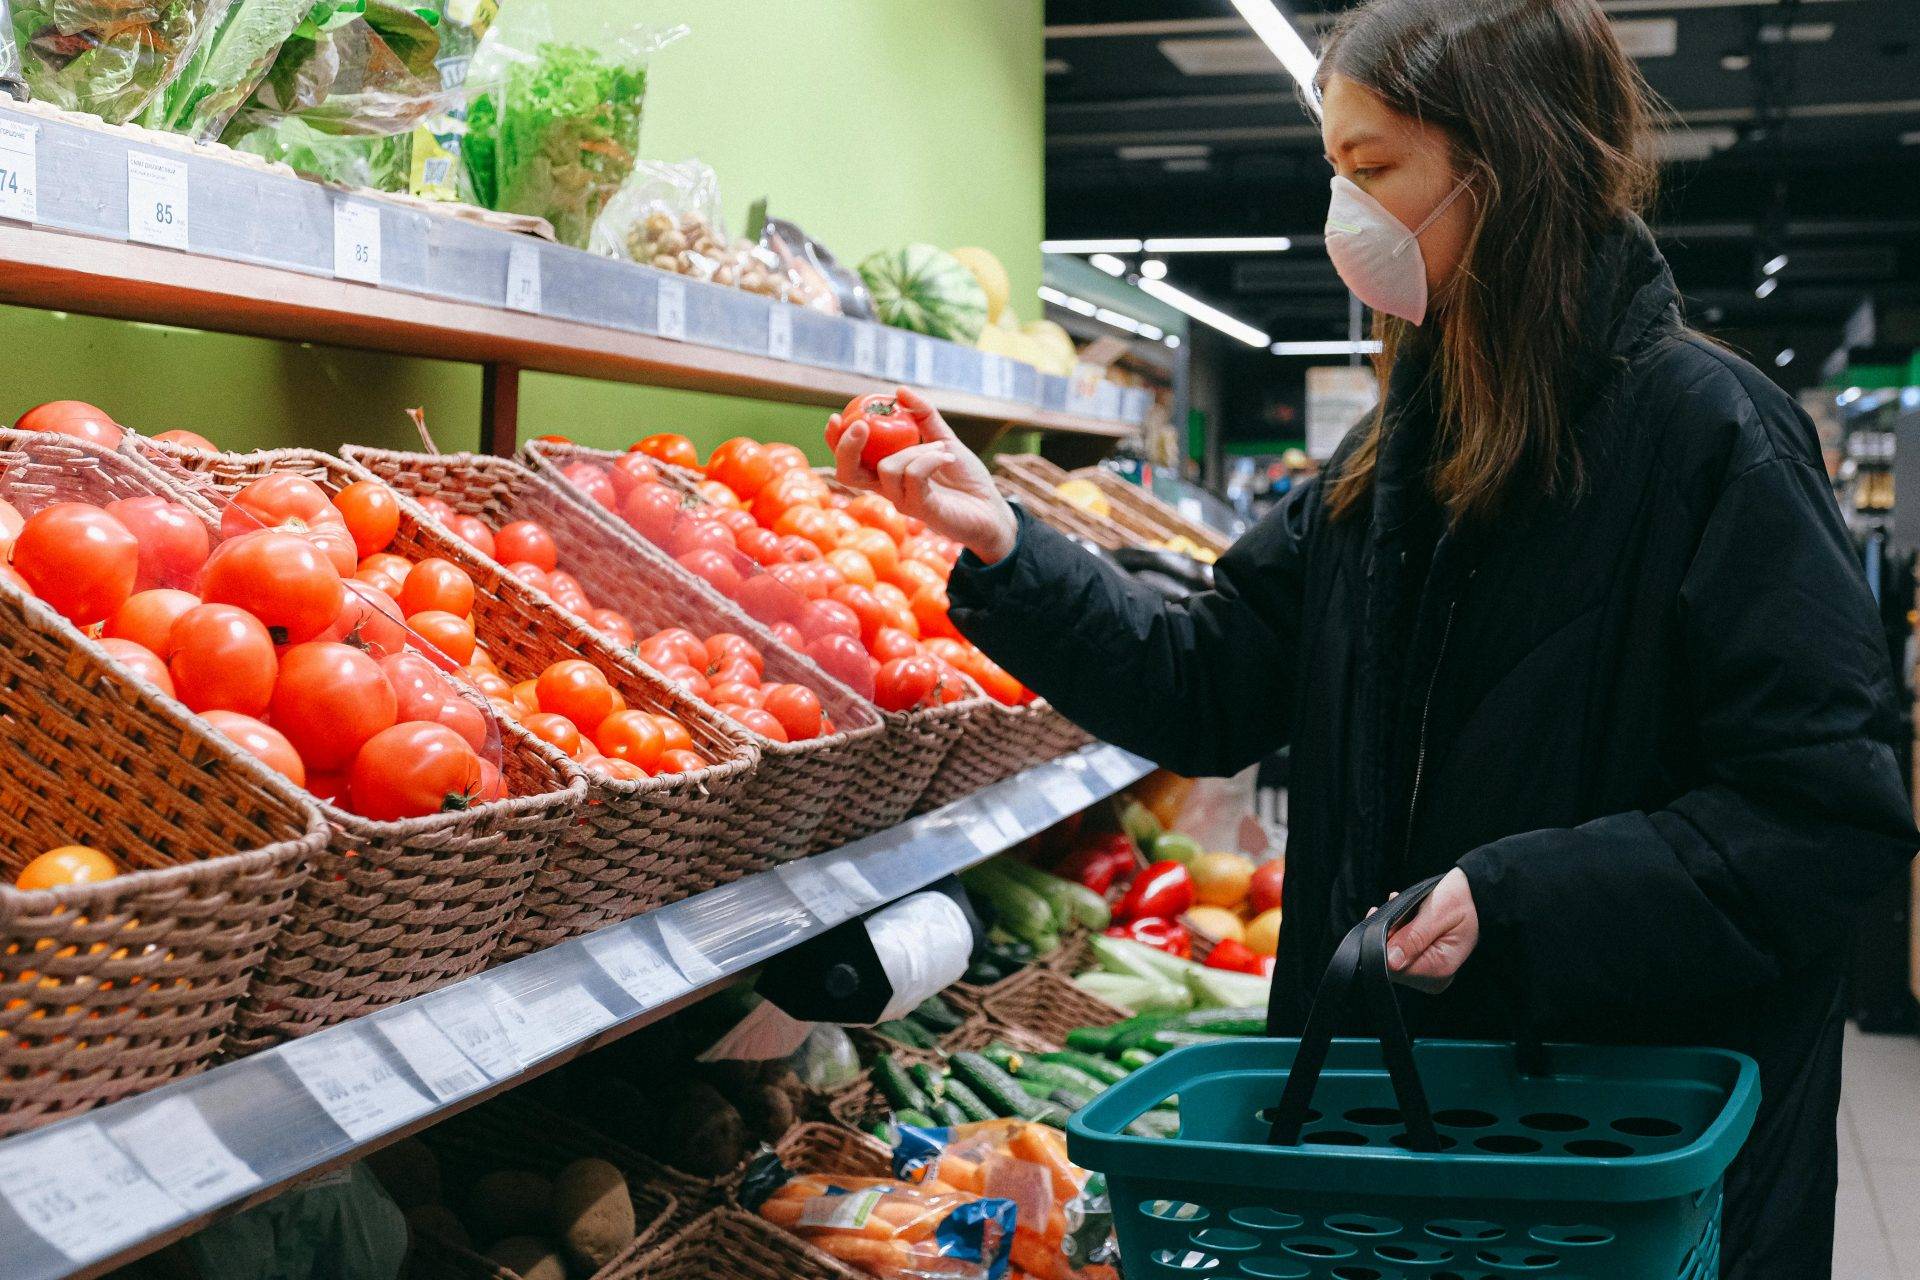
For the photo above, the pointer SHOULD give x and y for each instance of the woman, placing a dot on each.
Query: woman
(1573, 619)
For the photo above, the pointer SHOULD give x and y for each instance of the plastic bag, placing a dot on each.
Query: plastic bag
(435, 146)
(10, 82)
(889, 1229)
(223, 72)
(557, 130)
(1064, 1225)
(341, 1226)
(667, 216)
(818, 280)
(107, 57)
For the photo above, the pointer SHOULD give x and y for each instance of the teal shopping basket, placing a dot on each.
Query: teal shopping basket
(1324, 1159)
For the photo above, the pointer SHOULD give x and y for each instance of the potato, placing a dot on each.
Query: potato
(592, 1213)
(528, 1258)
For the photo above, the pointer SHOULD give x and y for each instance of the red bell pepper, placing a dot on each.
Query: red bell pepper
(1163, 890)
(1238, 957)
(1099, 864)
(1161, 934)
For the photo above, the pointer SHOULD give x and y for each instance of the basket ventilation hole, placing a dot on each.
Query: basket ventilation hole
(1271, 1114)
(1225, 1241)
(1425, 1255)
(1174, 1211)
(1646, 1127)
(1469, 1229)
(1337, 1138)
(1520, 1259)
(1185, 1261)
(1554, 1122)
(1405, 1141)
(1378, 1117)
(1257, 1219)
(1356, 1273)
(1465, 1118)
(1599, 1148)
(1583, 1234)
(1327, 1249)
(1275, 1269)
(1360, 1224)
(1508, 1144)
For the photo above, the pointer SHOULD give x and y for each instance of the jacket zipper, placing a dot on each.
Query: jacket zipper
(1426, 712)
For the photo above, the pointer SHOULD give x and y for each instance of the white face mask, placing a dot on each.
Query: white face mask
(1375, 254)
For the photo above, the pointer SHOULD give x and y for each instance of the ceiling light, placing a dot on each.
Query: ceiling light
(1797, 33)
(1119, 320)
(1205, 314)
(1362, 348)
(1154, 269)
(1089, 246)
(1153, 331)
(1169, 151)
(1767, 287)
(1775, 265)
(1198, 164)
(1067, 300)
(1218, 244)
(1847, 397)
(1058, 66)
(1785, 358)
(1911, 138)
(1271, 24)
(1173, 341)
(1109, 264)
(1735, 62)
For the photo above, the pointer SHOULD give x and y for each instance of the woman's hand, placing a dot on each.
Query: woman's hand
(1427, 951)
(938, 480)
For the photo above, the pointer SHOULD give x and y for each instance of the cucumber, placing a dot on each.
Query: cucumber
(1092, 1039)
(1071, 1099)
(985, 972)
(951, 1114)
(936, 1015)
(1005, 1057)
(1016, 908)
(968, 1101)
(901, 1093)
(1072, 904)
(996, 1088)
(1244, 1021)
(1061, 1076)
(1099, 1068)
(884, 1131)
(1156, 1124)
(1134, 1059)
(1051, 1114)
(908, 1034)
(918, 1119)
(1034, 1088)
(1167, 1041)
(931, 1082)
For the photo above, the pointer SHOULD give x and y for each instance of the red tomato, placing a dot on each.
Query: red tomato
(450, 634)
(741, 465)
(786, 457)
(525, 540)
(261, 741)
(437, 584)
(412, 770)
(958, 652)
(388, 565)
(765, 598)
(718, 496)
(674, 450)
(492, 684)
(805, 520)
(681, 761)
(798, 550)
(593, 480)
(789, 635)
(880, 550)
(915, 576)
(891, 642)
(726, 644)
(369, 620)
(473, 531)
(74, 418)
(715, 568)
(796, 707)
(738, 520)
(866, 606)
(798, 579)
(629, 471)
(905, 683)
(278, 501)
(652, 510)
(337, 543)
(613, 770)
(221, 658)
(838, 501)
(187, 440)
(828, 618)
(733, 670)
(564, 587)
(615, 625)
(142, 661)
(760, 545)
(761, 722)
(691, 679)
(889, 428)
(842, 658)
(173, 540)
(531, 574)
(853, 566)
(673, 733)
(554, 438)
(998, 683)
(726, 693)
(930, 610)
(688, 648)
(699, 534)
(874, 511)
(631, 736)
(556, 730)
(329, 699)
(525, 695)
(926, 549)
(330, 787)
(147, 618)
(438, 509)
(575, 689)
(840, 528)
(10, 522)
(788, 489)
(78, 559)
(280, 578)
(372, 515)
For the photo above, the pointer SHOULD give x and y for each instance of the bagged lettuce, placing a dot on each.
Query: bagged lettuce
(107, 57)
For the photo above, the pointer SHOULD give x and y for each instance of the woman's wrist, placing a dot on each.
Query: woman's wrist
(996, 543)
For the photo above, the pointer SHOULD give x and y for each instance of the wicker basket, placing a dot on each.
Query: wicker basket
(1046, 1005)
(1137, 509)
(1040, 501)
(903, 762)
(512, 1134)
(111, 989)
(776, 814)
(640, 844)
(860, 1104)
(732, 1244)
(1000, 741)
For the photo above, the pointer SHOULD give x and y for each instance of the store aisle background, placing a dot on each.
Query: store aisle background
(1877, 1233)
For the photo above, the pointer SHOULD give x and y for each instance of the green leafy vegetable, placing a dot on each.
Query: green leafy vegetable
(224, 72)
(107, 57)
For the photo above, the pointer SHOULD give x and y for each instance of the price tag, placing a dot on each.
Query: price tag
(780, 331)
(1065, 790)
(641, 971)
(672, 309)
(541, 1024)
(866, 348)
(470, 1023)
(19, 170)
(923, 363)
(176, 1146)
(157, 199)
(896, 356)
(993, 381)
(523, 278)
(79, 1193)
(433, 1057)
(854, 881)
(688, 958)
(819, 893)
(351, 1079)
(356, 241)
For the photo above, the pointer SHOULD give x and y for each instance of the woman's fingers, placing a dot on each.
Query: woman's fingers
(893, 473)
(847, 466)
(932, 425)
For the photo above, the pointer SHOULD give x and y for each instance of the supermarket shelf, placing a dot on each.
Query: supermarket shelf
(89, 1194)
(264, 255)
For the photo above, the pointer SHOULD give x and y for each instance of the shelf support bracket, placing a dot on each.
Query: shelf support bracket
(499, 409)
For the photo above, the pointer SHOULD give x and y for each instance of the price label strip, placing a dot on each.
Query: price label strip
(541, 1024)
(157, 207)
(671, 311)
(896, 356)
(173, 1142)
(350, 1078)
(1065, 789)
(641, 970)
(780, 331)
(689, 959)
(356, 241)
(923, 363)
(982, 832)
(822, 895)
(469, 1021)
(438, 1062)
(19, 170)
(78, 1192)
(523, 278)
(866, 348)
(1111, 765)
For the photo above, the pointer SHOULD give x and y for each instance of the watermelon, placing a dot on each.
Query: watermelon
(928, 291)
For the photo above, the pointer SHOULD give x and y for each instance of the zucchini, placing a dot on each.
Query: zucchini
(968, 1101)
(1061, 1076)
(951, 1115)
(931, 1082)
(1005, 1057)
(1134, 1059)
(1099, 1068)
(1092, 1039)
(1015, 907)
(1072, 904)
(936, 1015)
(918, 1119)
(901, 1093)
(996, 1088)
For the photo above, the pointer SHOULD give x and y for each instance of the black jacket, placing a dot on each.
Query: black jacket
(1652, 722)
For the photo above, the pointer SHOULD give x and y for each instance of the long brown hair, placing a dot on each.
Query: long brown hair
(1550, 120)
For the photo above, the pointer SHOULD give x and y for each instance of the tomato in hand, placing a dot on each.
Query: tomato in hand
(528, 541)
(674, 450)
(329, 699)
(796, 707)
(451, 635)
(473, 531)
(574, 688)
(261, 741)
(905, 683)
(221, 658)
(173, 540)
(412, 770)
(437, 584)
(74, 418)
(279, 501)
(79, 559)
(372, 515)
(889, 428)
(142, 661)
(147, 618)
(631, 736)
(280, 578)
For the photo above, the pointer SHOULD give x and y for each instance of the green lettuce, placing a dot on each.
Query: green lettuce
(107, 57)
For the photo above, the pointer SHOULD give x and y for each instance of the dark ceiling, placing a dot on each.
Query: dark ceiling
(1798, 130)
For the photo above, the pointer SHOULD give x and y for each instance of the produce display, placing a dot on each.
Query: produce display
(103, 58)
(927, 290)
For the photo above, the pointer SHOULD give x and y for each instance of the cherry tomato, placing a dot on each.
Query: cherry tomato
(221, 658)
(473, 531)
(593, 480)
(741, 465)
(555, 730)
(142, 661)
(681, 761)
(796, 707)
(74, 418)
(629, 471)
(691, 679)
(372, 515)
(279, 501)
(674, 450)
(761, 722)
(905, 683)
(575, 689)
(261, 741)
(651, 510)
(437, 584)
(889, 428)
(412, 770)
(843, 658)
(173, 540)
(79, 559)
(631, 736)
(187, 440)
(674, 735)
(876, 512)
(450, 634)
(528, 541)
(147, 618)
(615, 626)
(280, 578)
(329, 699)
(715, 568)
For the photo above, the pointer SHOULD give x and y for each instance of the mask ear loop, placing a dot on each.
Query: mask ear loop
(1459, 190)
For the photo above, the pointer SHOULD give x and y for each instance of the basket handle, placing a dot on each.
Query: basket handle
(1361, 959)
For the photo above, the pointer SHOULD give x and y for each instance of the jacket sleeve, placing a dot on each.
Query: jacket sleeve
(1796, 814)
(1203, 687)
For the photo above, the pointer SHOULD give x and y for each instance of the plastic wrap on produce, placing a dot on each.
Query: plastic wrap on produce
(667, 216)
(107, 57)
(10, 82)
(818, 279)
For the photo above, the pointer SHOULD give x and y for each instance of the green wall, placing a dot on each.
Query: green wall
(869, 122)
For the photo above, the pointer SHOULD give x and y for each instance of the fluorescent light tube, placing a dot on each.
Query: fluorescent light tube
(1205, 314)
